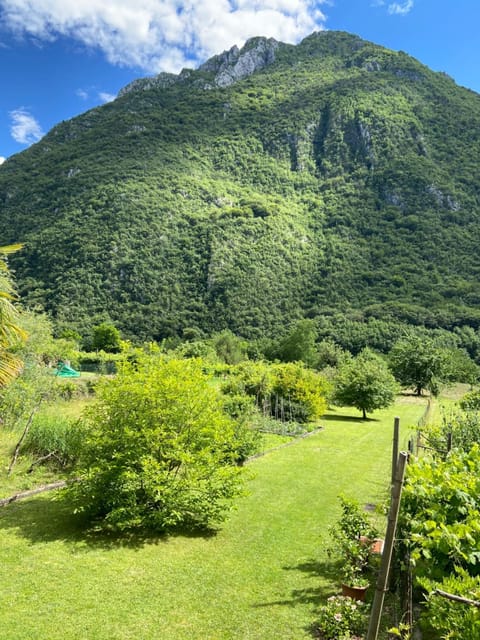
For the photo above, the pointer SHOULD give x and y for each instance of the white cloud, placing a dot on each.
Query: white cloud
(81, 93)
(24, 129)
(400, 8)
(162, 35)
(106, 97)
(2, 159)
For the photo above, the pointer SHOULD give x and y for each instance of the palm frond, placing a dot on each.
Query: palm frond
(10, 367)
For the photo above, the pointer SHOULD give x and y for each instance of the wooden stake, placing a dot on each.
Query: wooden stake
(396, 436)
(377, 605)
(22, 437)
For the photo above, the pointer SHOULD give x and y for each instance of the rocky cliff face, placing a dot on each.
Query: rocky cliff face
(235, 64)
(225, 68)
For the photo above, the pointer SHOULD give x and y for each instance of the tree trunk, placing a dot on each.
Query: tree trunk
(364, 414)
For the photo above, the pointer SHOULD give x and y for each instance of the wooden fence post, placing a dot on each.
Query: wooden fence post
(396, 436)
(377, 605)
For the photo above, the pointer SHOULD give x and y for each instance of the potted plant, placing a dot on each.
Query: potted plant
(353, 535)
(354, 583)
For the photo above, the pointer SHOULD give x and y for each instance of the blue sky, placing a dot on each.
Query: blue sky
(59, 58)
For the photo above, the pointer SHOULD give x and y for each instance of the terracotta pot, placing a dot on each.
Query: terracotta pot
(356, 593)
(376, 545)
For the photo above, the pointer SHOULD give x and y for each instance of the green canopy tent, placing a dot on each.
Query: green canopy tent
(66, 371)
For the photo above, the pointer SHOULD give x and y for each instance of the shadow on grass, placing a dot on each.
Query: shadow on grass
(327, 572)
(340, 418)
(41, 520)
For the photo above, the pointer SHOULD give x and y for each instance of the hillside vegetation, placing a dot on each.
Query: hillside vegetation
(337, 178)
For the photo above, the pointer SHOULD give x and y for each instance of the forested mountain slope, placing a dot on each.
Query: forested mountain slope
(272, 183)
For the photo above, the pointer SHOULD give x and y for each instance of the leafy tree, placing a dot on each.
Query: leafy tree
(460, 367)
(330, 355)
(229, 347)
(365, 382)
(160, 451)
(106, 337)
(417, 361)
(299, 344)
(10, 331)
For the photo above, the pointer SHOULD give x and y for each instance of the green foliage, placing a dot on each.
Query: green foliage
(461, 428)
(352, 523)
(440, 513)
(471, 401)
(160, 451)
(36, 382)
(18, 399)
(419, 363)
(267, 424)
(229, 348)
(342, 618)
(365, 382)
(99, 361)
(10, 332)
(58, 437)
(351, 537)
(299, 344)
(449, 619)
(460, 367)
(302, 392)
(329, 355)
(289, 392)
(106, 337)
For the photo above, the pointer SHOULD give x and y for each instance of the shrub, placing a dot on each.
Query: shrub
(161, 452)
(471, 401)
(301, 392)
(342, 618)
(463, 427)
(290, 392)
(351, 535)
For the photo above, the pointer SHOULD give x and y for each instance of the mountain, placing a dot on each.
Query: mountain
(274, 182)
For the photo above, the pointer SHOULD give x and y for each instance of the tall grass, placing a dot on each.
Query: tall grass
(59, 437)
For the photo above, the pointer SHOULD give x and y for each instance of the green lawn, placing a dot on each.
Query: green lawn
(261, 577)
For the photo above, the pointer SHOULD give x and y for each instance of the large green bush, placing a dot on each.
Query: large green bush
(289, 392)
(160, 451)
(301, 392)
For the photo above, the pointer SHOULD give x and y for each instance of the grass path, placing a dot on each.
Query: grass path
(261, 577)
